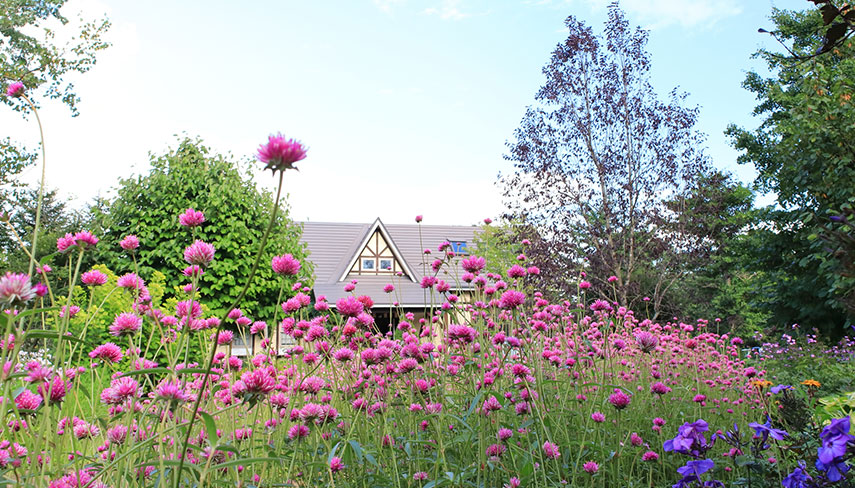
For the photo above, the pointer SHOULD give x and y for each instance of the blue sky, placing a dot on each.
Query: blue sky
(405, 105)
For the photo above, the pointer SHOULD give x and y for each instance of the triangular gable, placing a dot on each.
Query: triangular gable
(378, 248)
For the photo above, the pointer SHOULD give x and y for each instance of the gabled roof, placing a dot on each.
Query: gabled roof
(334, 247)
(378, 226)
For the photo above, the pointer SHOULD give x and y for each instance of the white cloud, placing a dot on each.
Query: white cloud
(386, 5)
(447, 10)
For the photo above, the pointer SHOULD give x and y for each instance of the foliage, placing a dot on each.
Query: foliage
(236, 213)
(596, 159)
(56, 220)
(795, 358)
(802, 151)
(43, 62)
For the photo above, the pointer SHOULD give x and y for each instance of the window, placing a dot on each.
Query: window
(385, 265)
(459, 247)
(368, 264)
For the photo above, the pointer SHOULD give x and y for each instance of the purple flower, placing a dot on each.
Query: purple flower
(778, 389)
(15, 89)
(798, 478)
(690, 439)
(765, 430)
(280, 153)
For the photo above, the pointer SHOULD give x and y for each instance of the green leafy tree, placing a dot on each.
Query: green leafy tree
(236, 213)
(39, 62)
(803, 152)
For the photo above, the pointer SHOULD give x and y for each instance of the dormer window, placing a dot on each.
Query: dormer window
(376, 258)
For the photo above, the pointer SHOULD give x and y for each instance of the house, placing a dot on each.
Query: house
(372, 256)
(376, 255)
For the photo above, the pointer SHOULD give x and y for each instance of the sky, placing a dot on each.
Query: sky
(405, 105)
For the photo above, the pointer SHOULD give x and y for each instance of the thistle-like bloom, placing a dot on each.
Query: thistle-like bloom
(286, 265)
(93, 278)
(550, 450)
(108, 352)
(28, 400)
(191, 218)
(130, 280)
(125, 324)
(349, 306)
(130, 242)
(65, 242)
(591, 467)
(619, 399)
(473, 264)
(199, 253)
(511, 299)
(15, 89)
(15, 288)
(462, 333)
(171, 391)
(85, 239)
(54, 390)
(646, 341)
(258, 381)
(280, 153)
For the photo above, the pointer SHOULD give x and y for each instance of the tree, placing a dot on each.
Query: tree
(43, 63)
(40, 64)
(597, 157)
(804, 152)
(236, 214)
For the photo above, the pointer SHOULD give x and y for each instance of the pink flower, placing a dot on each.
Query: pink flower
(511, 299)
(93, 278)
(85, 239)
(298, 431)
(349, 306)
(108, 352)
(550, 450)
(473, 264)
(420, 476)
(591, 467)
(28, 400)
(343, 355)
(199, 253)
(257, 327)
(191, 218)
(16, 289)
(54, 390)
(646, 341)
(125, 324)
(15, 89)
(419, 218)
(258, 381)
(462, 333)
(649, 456)
(130, 242)
(635, 439)
(65, 242)
(130, 280)
(619, 399)
(612, 279)
(598, 417)
(171, 391)
(488, 221)
(225, 337)
(336, 465)
(280, 153)
(428, 281)
(72, 311)
(286, 265)
(584, 285)
(388, 288)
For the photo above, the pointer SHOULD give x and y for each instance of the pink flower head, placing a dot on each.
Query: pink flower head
(193, 271)
(280, 153)
(336, 465)
(598, 417)
(85, 239)
(54, 390)
(257, 327)
(550, 450)
(191, 218)
(199, 253)
(65, 242)
(612, 279)
(15, 89)
(130, 280)
(125, 324)
(258, 381)
(93, 278)
(235, 313)
(488, 221)
(646, 341)
(225, 337)
(40, 289)
(130, 242)
(171, 391)
(419, 218)
(591, 467)
(511, 299)
(619, 399)
(15, 288)
(462, 333)
(343, 355)
(28, 400)
(473, 264)
(349, 306)
(108, 352)
(649, 456)
(286, 265)
(388, 288)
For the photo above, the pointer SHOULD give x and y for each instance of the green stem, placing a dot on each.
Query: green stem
(220, 328)
(41, 189)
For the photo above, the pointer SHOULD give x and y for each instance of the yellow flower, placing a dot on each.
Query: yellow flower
(812, 383)
(761, 383)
